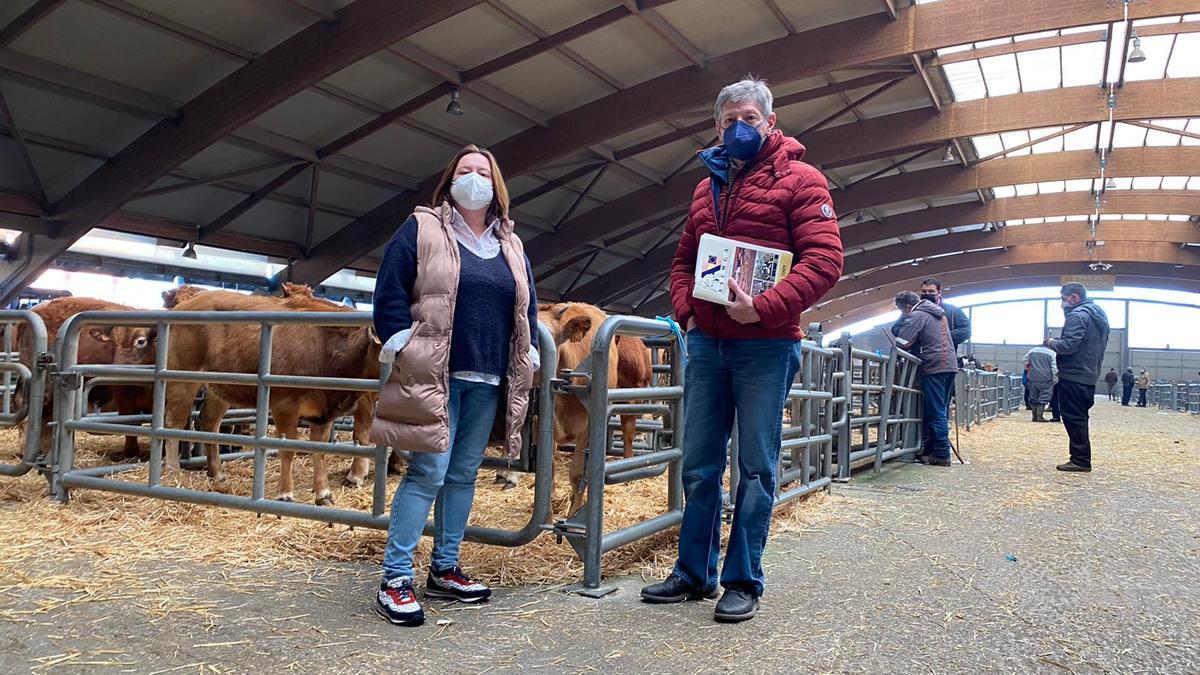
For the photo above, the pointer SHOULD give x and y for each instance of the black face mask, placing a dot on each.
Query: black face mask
(932, 297)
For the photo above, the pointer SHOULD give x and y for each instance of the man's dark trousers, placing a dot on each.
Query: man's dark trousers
(1074, 401)
(1055, 406)
(1126, 394)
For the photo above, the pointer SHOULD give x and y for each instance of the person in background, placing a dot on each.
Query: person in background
(1143, 383)
(1127, 381)
(1043, 372)
(743, 358)
(922, 330)
(1111, 380)
(1025, 384)
(960, 324)
(1080, 351)
(456, 308)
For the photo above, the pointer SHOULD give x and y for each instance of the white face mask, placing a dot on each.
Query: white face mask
(472, 191)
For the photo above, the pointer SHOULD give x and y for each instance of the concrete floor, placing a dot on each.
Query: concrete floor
(1002, 565)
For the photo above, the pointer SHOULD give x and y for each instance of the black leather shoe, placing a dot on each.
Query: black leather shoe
(675, 589)
(1073, 468)
(736, 605)
(939, 461)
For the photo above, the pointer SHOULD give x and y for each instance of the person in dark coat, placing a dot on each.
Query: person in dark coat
(1080, 351)
(960, 324)
(1111, 380)
(1127, 381)
(923, 331)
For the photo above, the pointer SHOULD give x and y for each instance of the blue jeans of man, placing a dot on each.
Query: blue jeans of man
(444, 480)
(935, 423)
(1126, 393)
(728, 380)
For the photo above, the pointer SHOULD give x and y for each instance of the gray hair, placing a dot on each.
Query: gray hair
(751, 89)
(907, 300)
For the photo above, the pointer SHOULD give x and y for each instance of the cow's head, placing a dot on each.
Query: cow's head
(131, 344)
(576, 321)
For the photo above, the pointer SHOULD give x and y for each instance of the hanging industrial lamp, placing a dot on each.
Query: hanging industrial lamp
(1136, 55)
(454, 107)
(189, 251)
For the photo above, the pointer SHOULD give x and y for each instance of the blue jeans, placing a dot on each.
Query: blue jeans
(935, 423)
(444, 480)
(724, 378)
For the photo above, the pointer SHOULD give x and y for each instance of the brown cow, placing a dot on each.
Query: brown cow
(322, 351)
(95, 347)
(174, 296)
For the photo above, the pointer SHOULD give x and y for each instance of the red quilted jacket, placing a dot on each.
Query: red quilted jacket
(778, 201)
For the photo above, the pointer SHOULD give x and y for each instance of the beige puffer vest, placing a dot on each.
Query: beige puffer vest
(413, 409)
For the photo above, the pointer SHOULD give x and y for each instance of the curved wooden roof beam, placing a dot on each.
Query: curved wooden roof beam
(1109, 231)
(322, 49)
(918, 29)
(889, 135)
(1070, 258)
(1016, 276)
(1071, 165)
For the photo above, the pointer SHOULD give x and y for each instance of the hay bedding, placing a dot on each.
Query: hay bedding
(122, 531)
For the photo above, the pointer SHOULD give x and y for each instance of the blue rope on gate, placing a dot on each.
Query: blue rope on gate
(677, 330)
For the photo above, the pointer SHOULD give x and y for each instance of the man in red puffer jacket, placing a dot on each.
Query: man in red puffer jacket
(742, 358)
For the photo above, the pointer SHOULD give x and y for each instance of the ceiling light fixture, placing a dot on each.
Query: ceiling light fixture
(1110, 184)
(189, 251)
(454, 107)
(858, 218)
(949, 156)
(1136, 55)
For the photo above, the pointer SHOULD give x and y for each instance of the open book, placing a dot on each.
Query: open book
(754, 268)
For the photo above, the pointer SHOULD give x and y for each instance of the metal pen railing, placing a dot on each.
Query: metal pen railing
(69, 385)
(28, 379)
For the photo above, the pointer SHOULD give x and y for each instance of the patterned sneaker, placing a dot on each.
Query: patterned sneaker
(398, 604)
(453, 584)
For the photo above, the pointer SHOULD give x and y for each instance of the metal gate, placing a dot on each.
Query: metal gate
(23, 385)
(70, 381)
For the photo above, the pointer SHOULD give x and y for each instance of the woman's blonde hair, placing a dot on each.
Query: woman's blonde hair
(499, 206)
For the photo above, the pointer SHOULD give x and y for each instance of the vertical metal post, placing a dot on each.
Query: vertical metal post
(598, 413)
(830, 366)
(9, 328)
(678, 408)
(161, 350)
(262, 411)
(805, 410)
(888, 377)
(846, 358)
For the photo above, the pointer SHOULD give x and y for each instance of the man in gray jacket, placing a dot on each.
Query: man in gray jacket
(922, 330)
(1080, 352)
(1043, 371)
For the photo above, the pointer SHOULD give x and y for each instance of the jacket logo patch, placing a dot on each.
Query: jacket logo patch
(827, 210)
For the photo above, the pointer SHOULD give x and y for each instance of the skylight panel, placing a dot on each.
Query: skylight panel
(1158, 20)
(1013, 139)
(1116, 57)
(954, 50)
(1039, 69)
(1051, 186)
(1078, 185)
(1026, 189)
(986, 146)
(1077, 219)
(1156, 216)
(1194, 183)
(1053, 145)
(1185, 58)
(1035, 36)
(1174, 183)
(1157, 49)
(1084, 29)
(1080, 139)
(1000, 74)
(1129, 136)
(993, 43)
(1004, 191)
(966, 80)
(1056, 219)
(1177, 218)
(1034, 221)
(1165, 138)
(1133, 216)
(1122, 183)
(1147, 182)
(1082, 64)
(1110, 216)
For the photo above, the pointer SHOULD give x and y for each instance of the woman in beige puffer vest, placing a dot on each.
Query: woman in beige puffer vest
(456, 307)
